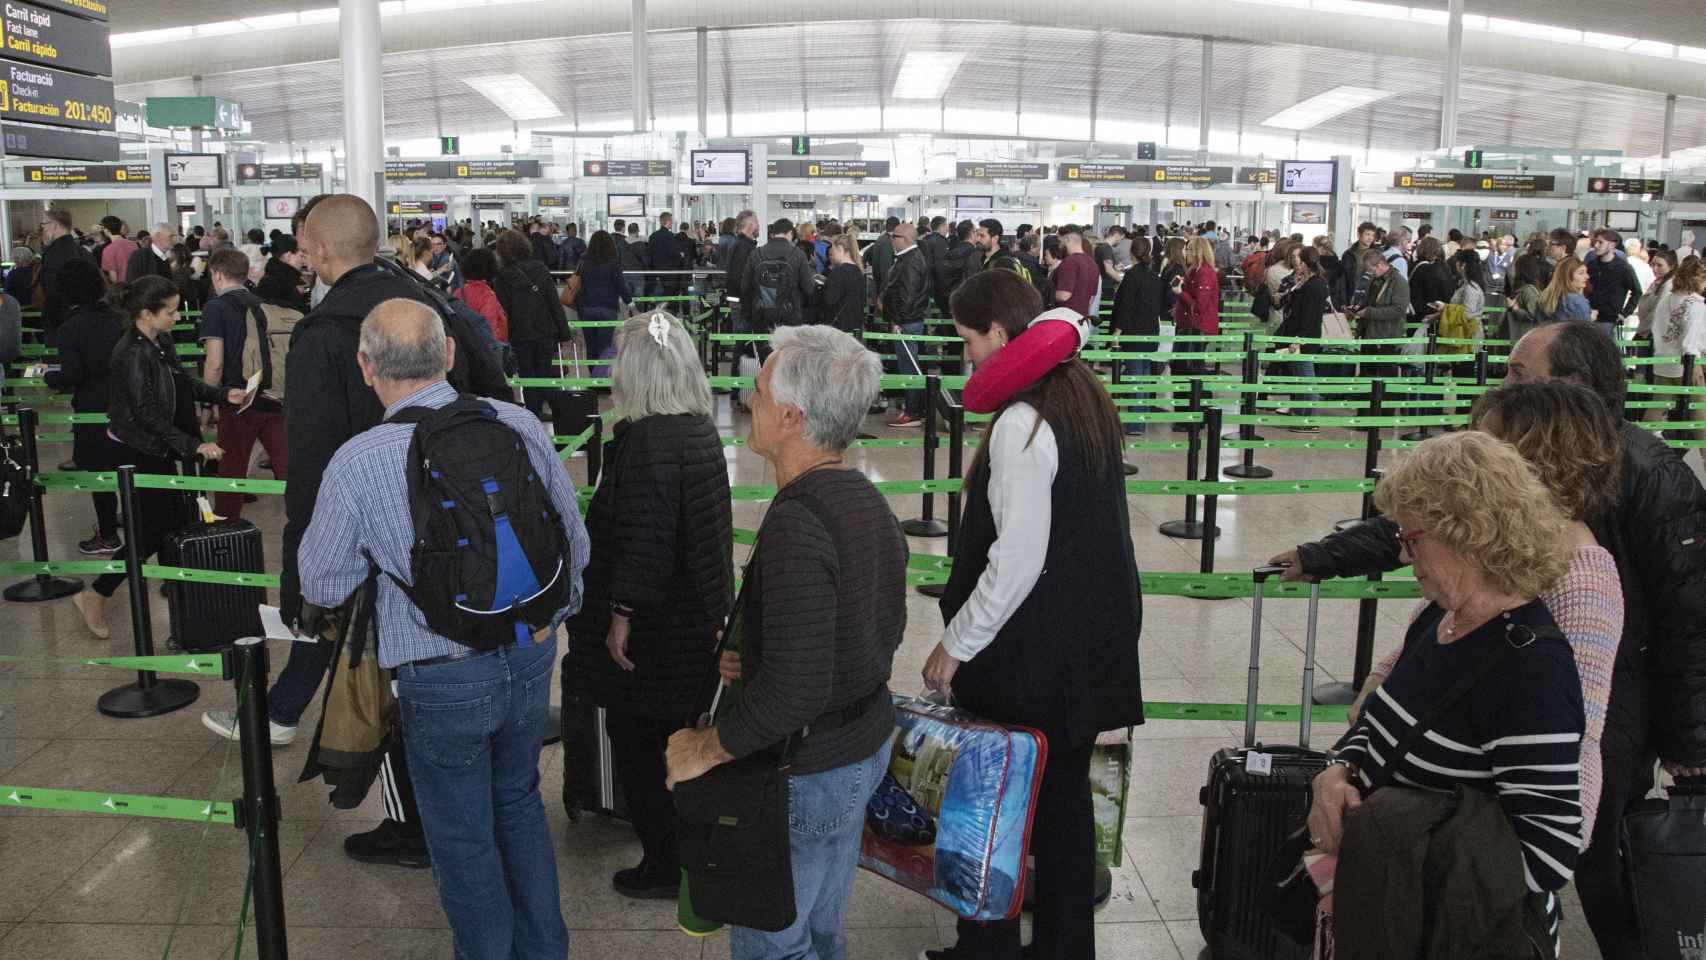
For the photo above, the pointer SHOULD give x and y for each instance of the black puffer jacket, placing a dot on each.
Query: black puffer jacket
(1657, 533)
(144, 413)
(660, 526)
(529, 296)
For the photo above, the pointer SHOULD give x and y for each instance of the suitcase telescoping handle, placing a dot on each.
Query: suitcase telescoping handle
(1261, 575)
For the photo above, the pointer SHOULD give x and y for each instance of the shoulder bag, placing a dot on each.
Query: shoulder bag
(571, 291)
(1334, 326)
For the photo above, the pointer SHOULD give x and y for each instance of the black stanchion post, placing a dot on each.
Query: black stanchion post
(1371, 454)
(1344, 694)
(258, 810)
(955, 414)
(1189, 528)
(1680, 411)
(594, 449)
(927, 525)
(1650, 349)
(1248, 469)
(1480, 370)
(1251, 374)
(148, 696)
(1211, 503)
(42, 586)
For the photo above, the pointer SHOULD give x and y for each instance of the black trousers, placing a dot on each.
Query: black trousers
(1063, 843)
(533, 358)
(161, 512)
(1626, 775)
(637, 746)
(94, 450)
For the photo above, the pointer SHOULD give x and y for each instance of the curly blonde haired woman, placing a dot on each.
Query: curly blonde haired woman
(1486, 538)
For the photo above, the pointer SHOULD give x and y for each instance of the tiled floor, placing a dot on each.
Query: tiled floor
(110, 888)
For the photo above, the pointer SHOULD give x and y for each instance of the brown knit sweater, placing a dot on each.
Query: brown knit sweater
(832, 604)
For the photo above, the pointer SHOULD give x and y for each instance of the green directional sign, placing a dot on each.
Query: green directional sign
(449, 146)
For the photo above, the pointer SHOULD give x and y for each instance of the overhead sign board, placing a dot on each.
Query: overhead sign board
(1503, 215)
(415, 208)
(1655, 187)
(555, 201)
(1192, 204)
(37, 94)
(215, 113)
(1256, 175)
(97, 9)
(88, 173)
(1448, 181)
(195, 170)
(461, 169)
(261, 172)
(799, 204)
(29, 140)
(809, 169)
(56, 39)
(858, 198)
(1165, 173)
(628, 168)
(1000, 170)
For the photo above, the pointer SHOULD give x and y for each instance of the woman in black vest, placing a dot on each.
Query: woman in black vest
(659, 582)
(1050, 640)
(86, 342)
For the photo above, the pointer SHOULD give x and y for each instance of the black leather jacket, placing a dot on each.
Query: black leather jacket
(145, 377)
(906, 293)
(1657, 533)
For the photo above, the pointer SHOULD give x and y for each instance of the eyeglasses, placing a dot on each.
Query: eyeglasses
(1408, 538)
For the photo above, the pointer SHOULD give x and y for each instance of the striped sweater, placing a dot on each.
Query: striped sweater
(1517, 733)
(1587, 605)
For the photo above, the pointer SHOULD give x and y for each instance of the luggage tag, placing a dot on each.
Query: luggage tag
(206, 510)
(1259, 764)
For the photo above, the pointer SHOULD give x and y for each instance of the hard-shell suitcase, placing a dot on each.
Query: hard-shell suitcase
(1255, 797)
(210, 616)
(1664, 853)
(589, 782)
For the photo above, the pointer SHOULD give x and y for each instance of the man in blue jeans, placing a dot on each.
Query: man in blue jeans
(473, 718)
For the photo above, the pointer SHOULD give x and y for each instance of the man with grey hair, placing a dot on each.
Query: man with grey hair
(1397, 252)
(473, 714)
(825, 602)
(154, 259)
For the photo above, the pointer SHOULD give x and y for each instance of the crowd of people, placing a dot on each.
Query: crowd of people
(1561, 551)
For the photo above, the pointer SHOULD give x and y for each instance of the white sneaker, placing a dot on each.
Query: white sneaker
(224, 723)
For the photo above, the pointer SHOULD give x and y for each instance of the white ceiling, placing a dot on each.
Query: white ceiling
(1134, 79)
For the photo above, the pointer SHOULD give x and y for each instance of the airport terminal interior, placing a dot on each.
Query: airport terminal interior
(1245, 123)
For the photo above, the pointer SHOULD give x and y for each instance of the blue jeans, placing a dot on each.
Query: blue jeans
(472, 729)
(1302, 368)
(826, 816)
(1130, 369)
(906, 363)
(294, 689)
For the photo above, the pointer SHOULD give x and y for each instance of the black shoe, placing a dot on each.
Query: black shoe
(390, 843)
(98, 545)
(645, 883)
(251, 498)
(68, 465)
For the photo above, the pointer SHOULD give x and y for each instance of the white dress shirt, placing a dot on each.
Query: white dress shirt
(1022, 469)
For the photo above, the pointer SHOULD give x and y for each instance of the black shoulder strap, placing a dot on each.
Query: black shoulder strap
(411, 415)
(1516, 637)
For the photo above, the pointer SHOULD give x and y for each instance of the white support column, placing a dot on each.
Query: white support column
(361, 53)
(1453, 74)
(761, 185)
(160, 206)
(1670, 126)
(703, 44)
(1344, 231)
(639, 69)
(1203, 96)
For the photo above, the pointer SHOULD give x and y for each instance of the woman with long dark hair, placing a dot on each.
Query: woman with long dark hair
(1043, 607)
(85, 346)
(152, 414)
(604, 292)
(1138, 304)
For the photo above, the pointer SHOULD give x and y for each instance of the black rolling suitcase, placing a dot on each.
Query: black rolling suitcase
(210, 616)
(1256, 796)
(589, 783)
(1664, 853)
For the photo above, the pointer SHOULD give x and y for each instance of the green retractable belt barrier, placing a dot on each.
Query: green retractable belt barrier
(83, 801)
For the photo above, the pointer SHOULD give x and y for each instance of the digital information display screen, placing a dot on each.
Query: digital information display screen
(719, 168)
(1307, 176)
(625, 205)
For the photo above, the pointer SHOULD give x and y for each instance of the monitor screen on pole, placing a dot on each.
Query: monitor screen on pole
(185, 170)
(625, 205)
(1308, 213)
(1306, 176)
(282, 208)
(1623, 220)
(974, 203)
(713, 168)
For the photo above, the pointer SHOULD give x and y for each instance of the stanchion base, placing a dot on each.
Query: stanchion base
(1335, 694)
(1344, 525)
(1183, 530)
(867, 436)
(933, 589)
(924, 528)
(1415, 435)
(1235, 435)
(38, 589)
(1252, 472)
(553, 726)
(1130, 469)
(131, 701)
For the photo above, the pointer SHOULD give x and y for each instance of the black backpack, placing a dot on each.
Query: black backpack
(774, 289)
(477, 367)
(490, 563)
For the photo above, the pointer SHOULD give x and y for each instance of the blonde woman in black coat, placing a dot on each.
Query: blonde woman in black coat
(660, 580)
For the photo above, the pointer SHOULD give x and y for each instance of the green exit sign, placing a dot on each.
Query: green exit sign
(449, 146)
(1472, 159)
(801, 146)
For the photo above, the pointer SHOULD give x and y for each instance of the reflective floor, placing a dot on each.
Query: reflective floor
(116, 888)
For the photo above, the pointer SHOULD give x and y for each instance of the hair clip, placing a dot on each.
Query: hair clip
(658, 327)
